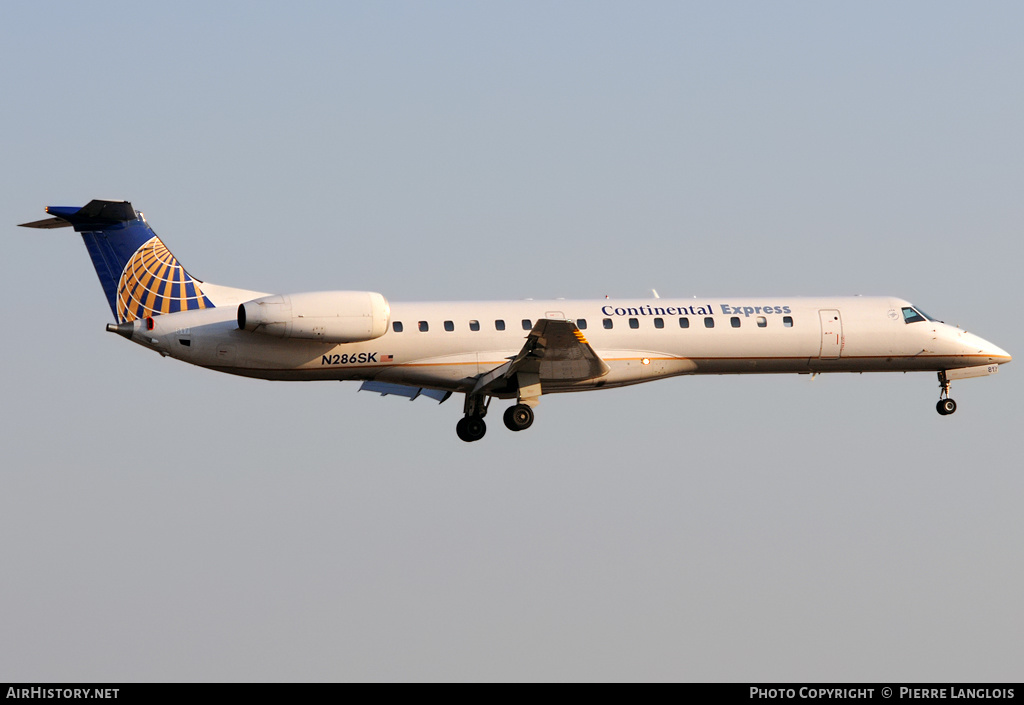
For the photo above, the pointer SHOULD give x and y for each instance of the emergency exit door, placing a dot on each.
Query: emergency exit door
(831, 334)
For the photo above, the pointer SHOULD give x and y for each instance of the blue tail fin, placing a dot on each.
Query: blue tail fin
(140, 277)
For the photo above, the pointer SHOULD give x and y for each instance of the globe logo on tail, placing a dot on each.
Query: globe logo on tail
(153, 283)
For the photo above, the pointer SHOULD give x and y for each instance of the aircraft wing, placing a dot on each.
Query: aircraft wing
(402, 390)
(554, 350)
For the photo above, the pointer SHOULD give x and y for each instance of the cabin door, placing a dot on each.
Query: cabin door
(831, 334)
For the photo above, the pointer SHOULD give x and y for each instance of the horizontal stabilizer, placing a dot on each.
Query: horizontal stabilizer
(403, 390)
(47, 224)
(94, 215)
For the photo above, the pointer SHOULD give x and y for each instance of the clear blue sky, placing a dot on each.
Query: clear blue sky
(162, 522)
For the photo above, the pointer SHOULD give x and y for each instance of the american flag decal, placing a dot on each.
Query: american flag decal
(387, 358)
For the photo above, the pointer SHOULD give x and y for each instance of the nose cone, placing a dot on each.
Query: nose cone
(983, 351)
(1000, 355)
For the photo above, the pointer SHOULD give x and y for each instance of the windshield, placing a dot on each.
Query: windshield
(915, 315)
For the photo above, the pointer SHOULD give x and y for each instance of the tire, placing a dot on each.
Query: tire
(946, 406)
(471, 428)
(518, 417)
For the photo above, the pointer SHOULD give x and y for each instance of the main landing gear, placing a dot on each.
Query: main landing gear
(946, 406)
(518, 417)
(471, 427)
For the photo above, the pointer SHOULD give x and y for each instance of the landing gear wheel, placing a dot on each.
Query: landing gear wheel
(471, 428)
(946, 406)
(518, 417)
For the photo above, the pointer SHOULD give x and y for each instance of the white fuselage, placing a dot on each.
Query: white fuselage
(499, 349)
(447, 345)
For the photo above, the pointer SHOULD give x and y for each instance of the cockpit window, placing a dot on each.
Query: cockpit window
(910, 315)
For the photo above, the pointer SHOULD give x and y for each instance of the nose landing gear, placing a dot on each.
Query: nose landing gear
(946, 406)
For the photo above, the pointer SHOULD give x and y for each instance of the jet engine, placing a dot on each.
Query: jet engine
(323, 316)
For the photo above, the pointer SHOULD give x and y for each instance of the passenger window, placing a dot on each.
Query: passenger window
(659, 322)
(474, 325)
(581, 323)
(526, 324)
(499, 324)
(762, 322)
(397, 326)
(449, 326)
(607, 323)
(735, 321)
(911, 316)
(684, 322)
(787, 321)
(634, 323)
(424, 327)
(709, 322)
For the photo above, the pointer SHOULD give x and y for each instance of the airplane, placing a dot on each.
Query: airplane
(499, 349)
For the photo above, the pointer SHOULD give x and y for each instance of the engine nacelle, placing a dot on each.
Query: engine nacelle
(323, 316)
